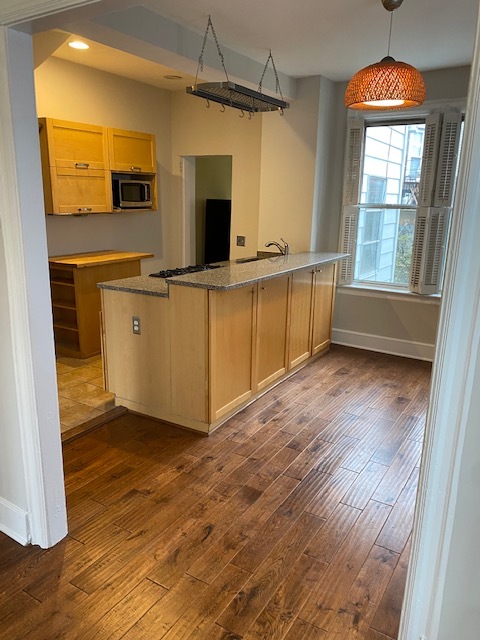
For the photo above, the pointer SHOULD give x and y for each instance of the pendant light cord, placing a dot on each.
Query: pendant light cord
(390, 33)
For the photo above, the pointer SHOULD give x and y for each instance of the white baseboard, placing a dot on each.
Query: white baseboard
(382, 344)
(14, 522)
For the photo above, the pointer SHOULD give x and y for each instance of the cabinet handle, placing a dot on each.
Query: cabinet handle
(82, 165)
(135, 168)
(263, 288)
(84, 209)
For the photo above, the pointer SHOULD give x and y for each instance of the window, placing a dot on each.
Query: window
(399, 183)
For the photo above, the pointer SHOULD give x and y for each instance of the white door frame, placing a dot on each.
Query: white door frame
(451, 377)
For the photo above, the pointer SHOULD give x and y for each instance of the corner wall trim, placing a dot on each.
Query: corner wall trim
(384, 344)
(14, 522)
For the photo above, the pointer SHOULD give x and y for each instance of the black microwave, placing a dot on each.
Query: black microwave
(132, 192)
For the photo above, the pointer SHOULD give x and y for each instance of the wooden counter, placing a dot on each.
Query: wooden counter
(76, 298)
(211, 342)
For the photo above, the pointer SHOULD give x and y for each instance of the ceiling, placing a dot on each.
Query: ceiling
(331, 38)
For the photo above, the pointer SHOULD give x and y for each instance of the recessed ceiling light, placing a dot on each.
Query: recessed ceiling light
(78, 44)
(171, 76)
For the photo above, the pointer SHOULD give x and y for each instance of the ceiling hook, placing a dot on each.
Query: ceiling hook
(249, 115)
(208, 104)
(243, 114)
(223, 108)
(282, 112)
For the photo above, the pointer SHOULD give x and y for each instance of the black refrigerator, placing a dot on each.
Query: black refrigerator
(217, 230)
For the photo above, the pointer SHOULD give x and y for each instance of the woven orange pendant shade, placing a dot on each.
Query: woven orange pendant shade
(387, 84)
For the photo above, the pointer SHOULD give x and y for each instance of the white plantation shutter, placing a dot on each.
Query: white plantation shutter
(351, 192)
(429, 245)
(447, 159)
(353, 161)
(431, 142)
(348, 244)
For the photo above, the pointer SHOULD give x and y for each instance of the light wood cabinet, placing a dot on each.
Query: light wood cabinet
(74, 167)
(323, 297)
(300, 325)
(231, 332)
(131, 151)
(78, 160)
(137, 365)
(271, 331)
(76, 298)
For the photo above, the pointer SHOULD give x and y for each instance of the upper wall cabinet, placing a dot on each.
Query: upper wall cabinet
(78, 161)
(75, 146)
(131, 151)
(75, 172)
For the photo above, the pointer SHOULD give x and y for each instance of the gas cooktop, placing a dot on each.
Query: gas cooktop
(181, 271)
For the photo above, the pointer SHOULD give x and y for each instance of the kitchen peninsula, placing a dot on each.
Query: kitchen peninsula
(195, 349)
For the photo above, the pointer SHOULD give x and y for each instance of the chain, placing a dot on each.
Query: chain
(220, 54)
(277, 81)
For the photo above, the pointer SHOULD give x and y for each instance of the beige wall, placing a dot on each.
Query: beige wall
(73, 92)
(289, 148)
(198, 131)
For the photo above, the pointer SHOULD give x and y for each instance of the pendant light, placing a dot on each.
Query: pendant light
(388, 84)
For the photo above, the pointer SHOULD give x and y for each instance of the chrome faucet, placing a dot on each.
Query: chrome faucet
(285, 250)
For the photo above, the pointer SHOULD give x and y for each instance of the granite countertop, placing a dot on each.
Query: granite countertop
(230, 275)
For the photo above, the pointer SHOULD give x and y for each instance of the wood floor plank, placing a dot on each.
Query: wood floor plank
(398, 473)
(127, 612)
(199, 618)
(207, 531)
(364, 485)
(325, 602)
(398, 526)
(331, 493)
(250, 601)
(387, 616)
(261, 530)
(355, 615)
(207, 567)
(280, 612)
(304, 631)
(161, 617)
(325, 544)
(277, 526)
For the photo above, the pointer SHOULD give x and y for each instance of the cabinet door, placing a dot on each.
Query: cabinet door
(231, 335)
(80, 191)
(76, 145)
(271, 333)
(299, 340)
(132, 151)
(323, 294)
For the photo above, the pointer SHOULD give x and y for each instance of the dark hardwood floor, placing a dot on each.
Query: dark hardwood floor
(292, 520)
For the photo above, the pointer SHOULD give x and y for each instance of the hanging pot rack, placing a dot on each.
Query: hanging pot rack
(230, 93)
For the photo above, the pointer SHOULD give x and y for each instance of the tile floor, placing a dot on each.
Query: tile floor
(80, 391)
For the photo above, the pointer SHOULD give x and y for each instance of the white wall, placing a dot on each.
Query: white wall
(74, 92)
(198, 131)
(13, 497)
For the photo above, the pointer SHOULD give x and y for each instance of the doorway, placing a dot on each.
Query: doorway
(207, 195)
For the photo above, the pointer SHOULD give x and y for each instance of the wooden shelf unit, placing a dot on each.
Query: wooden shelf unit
(76, 297)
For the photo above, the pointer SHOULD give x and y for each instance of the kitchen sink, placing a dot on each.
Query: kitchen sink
(243, 260)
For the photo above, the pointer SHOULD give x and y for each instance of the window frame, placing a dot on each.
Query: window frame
(353, 173)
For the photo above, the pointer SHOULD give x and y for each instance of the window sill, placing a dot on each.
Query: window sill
(387, 293)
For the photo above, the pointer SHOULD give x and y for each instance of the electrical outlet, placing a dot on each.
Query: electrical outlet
(136, 325)
(240, 241)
